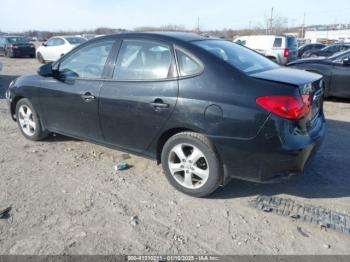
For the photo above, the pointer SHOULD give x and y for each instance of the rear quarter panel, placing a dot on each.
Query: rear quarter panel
(232, 93)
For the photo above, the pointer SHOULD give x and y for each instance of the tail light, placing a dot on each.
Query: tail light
(290, 107)
(286, 52)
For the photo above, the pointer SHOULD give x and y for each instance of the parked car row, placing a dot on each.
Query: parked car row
(16, 46)
(284, 49)
(51, 50)
(280, 49)
(335, 70)
(331, 61)
(315, 50)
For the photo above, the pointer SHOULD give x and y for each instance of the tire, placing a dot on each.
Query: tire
(207, 164)
(40, 58)
(8, 54)
(28, 121)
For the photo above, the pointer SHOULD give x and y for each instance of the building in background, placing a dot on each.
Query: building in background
(328, 35)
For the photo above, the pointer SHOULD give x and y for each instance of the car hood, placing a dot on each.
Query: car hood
(309, 60)
(288, 76)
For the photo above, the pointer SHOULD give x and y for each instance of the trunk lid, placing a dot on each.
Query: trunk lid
(288, 76)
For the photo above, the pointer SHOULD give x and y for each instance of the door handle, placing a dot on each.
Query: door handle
(159, 104)
(87, 97)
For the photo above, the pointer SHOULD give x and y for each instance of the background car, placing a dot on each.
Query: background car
(309, 47)
(327, 51)
(16, 46)
(280, 49)
(208, 109)
(56, 47)
(335, 70)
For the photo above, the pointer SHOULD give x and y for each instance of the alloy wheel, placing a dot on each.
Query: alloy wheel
(188, 166)
(26, 120)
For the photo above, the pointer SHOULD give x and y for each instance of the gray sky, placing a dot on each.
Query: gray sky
(19, 15)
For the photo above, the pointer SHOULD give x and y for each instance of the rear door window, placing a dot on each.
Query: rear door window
(144, 60)
(278, 42)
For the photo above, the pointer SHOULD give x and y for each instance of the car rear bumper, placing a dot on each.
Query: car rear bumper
(278, 151)
(23, 52)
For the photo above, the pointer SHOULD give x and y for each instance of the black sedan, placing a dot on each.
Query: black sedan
(335, 69)
(16, 46)
(327, 51)
(207, 109)
(309, 47)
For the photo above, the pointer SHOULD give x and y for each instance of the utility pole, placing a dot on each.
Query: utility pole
(271, 20)
(303, 26)
(198, 24)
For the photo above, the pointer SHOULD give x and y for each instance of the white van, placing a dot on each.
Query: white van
(281, 49)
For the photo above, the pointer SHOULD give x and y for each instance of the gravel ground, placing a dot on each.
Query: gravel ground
(67, 199)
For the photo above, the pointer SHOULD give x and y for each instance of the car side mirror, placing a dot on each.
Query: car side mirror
(65, 75)
(44, 44)
(46, 70)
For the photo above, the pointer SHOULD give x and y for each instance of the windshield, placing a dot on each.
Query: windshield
(17, 40)
(76, 40)
(238, 56)
(328, 48)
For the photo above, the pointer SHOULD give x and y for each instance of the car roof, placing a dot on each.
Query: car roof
(342, 44)
(264, 36)
(66, 36)
(182, 36)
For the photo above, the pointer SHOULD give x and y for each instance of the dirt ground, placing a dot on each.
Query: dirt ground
(67, 198)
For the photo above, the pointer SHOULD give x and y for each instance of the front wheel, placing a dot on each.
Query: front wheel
(191, 164)
(40, 58)
(28, 121)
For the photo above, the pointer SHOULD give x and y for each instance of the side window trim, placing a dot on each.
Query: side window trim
(190, 55)
(119, 48)
(105, 72)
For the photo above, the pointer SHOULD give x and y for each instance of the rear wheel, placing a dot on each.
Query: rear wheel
(191, 164)
(40, 58)
(28, 121)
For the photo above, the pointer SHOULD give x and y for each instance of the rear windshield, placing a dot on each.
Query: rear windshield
(76, 40)
(292, 42)
(238, 56)
(17, 40)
